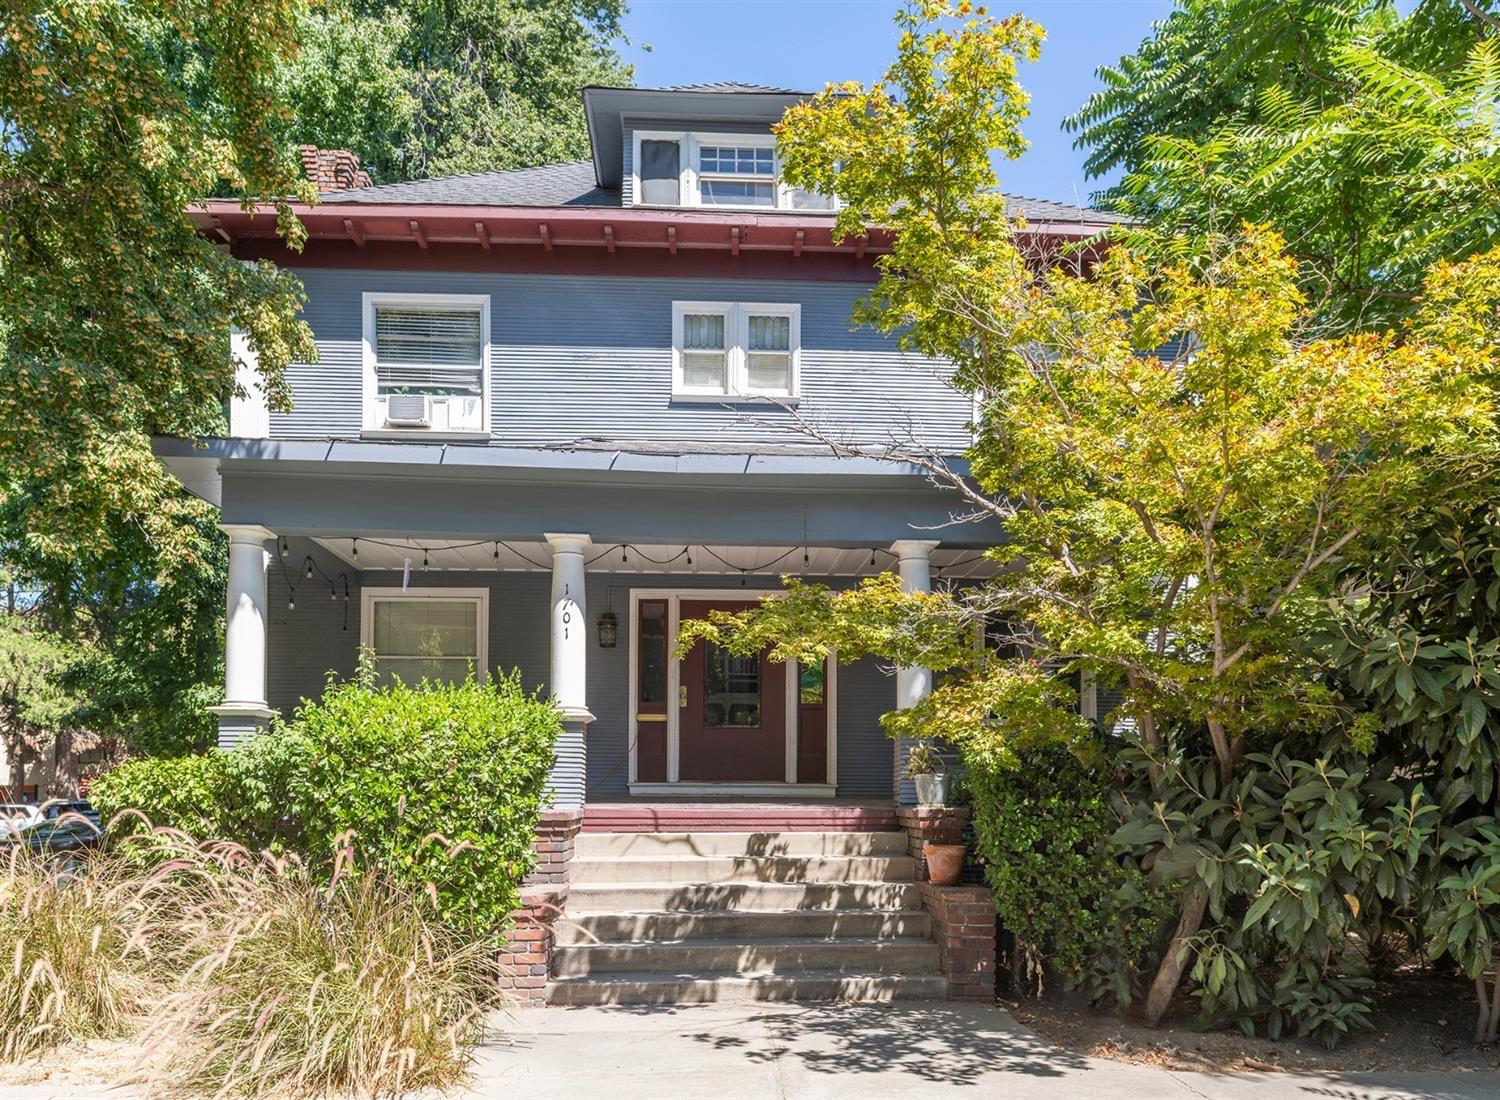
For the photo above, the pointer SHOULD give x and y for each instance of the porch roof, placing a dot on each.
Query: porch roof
(669, 495)
(199, 464)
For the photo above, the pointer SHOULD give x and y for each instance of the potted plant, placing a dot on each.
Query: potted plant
(944, 857)
(924, 767)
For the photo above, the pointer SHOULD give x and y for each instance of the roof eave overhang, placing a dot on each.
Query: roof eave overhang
(549, 227)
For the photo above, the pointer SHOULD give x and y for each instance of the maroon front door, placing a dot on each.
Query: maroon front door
(732, 711)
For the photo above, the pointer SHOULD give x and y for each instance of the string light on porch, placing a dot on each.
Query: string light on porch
(354, 550)
(284, 548)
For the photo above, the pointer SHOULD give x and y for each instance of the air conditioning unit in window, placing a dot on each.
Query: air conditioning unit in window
(407, 410)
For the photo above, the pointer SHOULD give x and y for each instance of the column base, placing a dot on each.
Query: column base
(569, 776)
(241, 720)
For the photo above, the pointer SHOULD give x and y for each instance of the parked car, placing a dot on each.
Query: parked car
(15, 816)
(72, 834)
(59, 809)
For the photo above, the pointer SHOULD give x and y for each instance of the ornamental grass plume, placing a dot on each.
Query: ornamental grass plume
(75, 944)
(290, 986)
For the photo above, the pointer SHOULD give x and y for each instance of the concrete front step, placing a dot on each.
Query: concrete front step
(667, 927)
(749, 957)
(675, 845)
(714, 869)
(708, 986)
(678, 897)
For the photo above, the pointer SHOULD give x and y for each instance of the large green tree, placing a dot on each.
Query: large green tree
(1172, 523)
(1365, 135)
(116, 310)
(443, 86)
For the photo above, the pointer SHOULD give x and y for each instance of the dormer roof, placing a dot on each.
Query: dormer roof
(731, 103)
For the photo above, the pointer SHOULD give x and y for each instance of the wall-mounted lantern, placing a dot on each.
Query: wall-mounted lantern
(609, 630)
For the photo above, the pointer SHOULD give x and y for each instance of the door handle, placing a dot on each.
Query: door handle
(682, 695)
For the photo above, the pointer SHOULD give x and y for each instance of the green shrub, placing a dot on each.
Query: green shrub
(1041, 829)
(74, 962)
(438, 787)
(289, 986)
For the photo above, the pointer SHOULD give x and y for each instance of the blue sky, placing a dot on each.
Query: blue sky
(806, 43)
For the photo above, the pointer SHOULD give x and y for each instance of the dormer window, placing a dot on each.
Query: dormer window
(736, 175)
(737, 171)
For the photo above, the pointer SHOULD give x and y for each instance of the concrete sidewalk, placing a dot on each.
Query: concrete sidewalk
(905, 1051)
(910, 1051)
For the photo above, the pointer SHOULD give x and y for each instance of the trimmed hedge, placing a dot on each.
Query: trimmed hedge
(437, 786)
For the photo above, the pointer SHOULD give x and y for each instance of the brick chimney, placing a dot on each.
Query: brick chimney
(333, 169)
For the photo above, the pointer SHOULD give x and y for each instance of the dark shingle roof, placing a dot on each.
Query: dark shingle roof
(568, 184)
(572, 184)
(728, 86)
(1045, 210)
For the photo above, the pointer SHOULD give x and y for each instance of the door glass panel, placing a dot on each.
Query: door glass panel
(811, 683)
(731, 689)
(653, 670)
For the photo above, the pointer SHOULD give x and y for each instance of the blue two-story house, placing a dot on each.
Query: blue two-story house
(555, 411)
(558, 410)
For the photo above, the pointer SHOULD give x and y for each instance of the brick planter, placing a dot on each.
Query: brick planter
(526, 958)
(963, 917)
(963, 924)
(554, 847)
(931, 824)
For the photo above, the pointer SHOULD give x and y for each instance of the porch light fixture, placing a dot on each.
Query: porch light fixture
(291, 603)
(609, 630)
(283, 546)
(354, 553)
(496, 555)
(307, 566)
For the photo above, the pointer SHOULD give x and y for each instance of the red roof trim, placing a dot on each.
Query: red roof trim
(560, 226)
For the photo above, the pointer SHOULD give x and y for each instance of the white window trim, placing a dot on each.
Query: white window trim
(673, 784)
(688, 193)
(736, 351)
(369, 420)
(480, 597)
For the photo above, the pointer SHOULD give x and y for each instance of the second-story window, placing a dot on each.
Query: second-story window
(426, 362)
(735, 349)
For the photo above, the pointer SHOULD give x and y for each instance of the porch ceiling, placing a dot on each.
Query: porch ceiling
(441, 555)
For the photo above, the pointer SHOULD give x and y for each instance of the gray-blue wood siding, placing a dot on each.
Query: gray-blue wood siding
(590, 357)
(309, 641)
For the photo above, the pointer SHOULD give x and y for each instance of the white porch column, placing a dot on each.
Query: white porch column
(913, 684)
(244, 709)
(568, 681)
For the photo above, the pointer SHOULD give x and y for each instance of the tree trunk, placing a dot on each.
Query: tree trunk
(1493, 1031)
(1223, 750)
(64, 766)
(1482, 1017)
(1174, 962)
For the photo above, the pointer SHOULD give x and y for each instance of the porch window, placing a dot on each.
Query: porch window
(426, 357)
(436, 635)
(735, 349)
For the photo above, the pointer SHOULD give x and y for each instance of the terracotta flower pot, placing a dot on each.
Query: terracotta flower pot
(945, 862)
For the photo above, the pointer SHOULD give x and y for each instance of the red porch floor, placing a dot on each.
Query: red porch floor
(739, 817)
